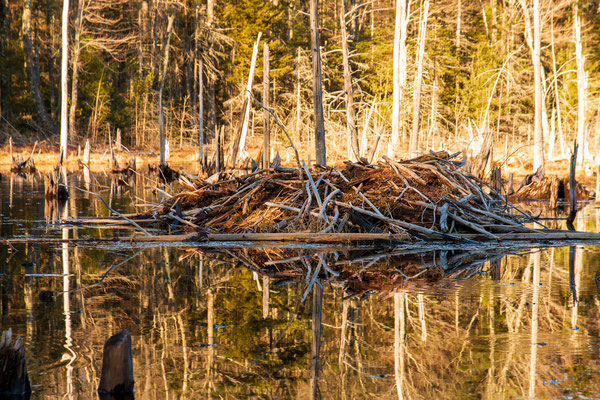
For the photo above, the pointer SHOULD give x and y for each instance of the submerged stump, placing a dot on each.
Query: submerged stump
(117, 365)
(14, 381)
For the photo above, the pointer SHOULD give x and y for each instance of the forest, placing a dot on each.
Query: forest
(397, 78)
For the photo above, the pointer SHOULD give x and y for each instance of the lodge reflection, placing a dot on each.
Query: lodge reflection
(207, 324)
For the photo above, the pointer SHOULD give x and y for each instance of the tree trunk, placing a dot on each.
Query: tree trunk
(298, 102)
(559, 129)
(4, 43)
(538, 147)
(75, 68)
(200, 114)
(320, 146)
(581, 86)
(248, 96)
(210, 90)
(414, 134)
(267, 104)
(161, 117)
(353, 146)
(399, 72)
(64, 77)
(239, 141)
(32, 71)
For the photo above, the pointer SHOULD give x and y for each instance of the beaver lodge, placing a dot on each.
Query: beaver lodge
(426, 198)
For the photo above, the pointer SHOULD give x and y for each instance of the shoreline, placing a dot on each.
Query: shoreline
(45, 159)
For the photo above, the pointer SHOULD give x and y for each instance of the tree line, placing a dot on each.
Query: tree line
(396, 76)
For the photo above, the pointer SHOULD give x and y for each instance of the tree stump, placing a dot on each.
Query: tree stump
(13, 371)
(117, 365)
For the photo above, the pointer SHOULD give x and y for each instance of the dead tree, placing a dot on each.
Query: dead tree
(267, 105)
(320, 146)
(32, 70)
(414, 134)
(161, 117)
(399, 73)
(353, 146)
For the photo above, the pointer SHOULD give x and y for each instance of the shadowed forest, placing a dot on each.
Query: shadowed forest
(397, 77)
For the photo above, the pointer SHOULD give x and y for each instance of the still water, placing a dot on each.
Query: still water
(486, 323)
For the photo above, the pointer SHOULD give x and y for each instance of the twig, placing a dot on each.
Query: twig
(114, 211)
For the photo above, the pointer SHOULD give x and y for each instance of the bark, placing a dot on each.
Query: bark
(320, 147)
(64, 77)
(75, 67)
(353, 146)
(414, 135)
(32, 71)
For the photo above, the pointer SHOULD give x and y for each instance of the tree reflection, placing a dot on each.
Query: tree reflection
(384, 324)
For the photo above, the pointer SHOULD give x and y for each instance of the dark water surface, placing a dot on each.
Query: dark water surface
(232, 323)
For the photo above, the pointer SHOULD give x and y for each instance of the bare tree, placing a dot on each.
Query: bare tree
(64, 77)
(538, 146)
(75, 65)
(320, 147)
(267, 104)
(399, 70)
(352, 139)
(414, 134)
(161, 117)
(581, 85)
(212, 109)
(33, 70)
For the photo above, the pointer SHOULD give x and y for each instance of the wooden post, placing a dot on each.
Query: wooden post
(86, 153)
(117, 365)
(14, 380)
(320, 146)
(572, 189)
(267, 105)
(496, 179)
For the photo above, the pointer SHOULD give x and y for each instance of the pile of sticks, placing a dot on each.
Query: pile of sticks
(428, 198)
(19, 164)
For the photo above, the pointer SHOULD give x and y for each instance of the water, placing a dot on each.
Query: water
(230, 323)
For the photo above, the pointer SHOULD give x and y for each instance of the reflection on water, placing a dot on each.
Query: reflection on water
(233, 323)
